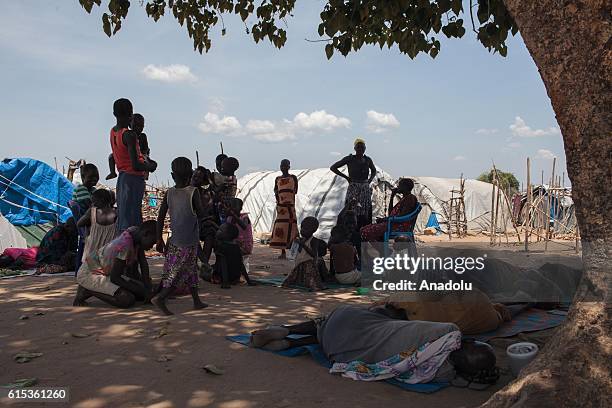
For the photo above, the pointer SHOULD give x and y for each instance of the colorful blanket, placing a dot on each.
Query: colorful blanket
(316, 352)
(528, 321)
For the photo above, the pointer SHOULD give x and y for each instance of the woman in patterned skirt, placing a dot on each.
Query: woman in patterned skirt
(285, 228)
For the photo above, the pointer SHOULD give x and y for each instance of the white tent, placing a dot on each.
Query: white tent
(435, 193)
(320, 194)
(9, 236)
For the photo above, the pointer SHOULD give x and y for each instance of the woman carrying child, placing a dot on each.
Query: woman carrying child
(181, 251)
(309, 270)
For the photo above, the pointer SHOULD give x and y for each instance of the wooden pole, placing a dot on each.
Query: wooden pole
(197, 159)
(492, 210)
(550, 203)
(497, 198)
(528, 203)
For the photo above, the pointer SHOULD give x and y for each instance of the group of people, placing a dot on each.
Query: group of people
(205, 216)
(354, 224)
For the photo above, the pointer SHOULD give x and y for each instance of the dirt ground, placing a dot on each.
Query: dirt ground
(139, 358)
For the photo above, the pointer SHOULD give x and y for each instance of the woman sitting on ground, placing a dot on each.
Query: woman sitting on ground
(310, 270)
(407, 204)
(57, 249)
(104, 273)
(377, 344)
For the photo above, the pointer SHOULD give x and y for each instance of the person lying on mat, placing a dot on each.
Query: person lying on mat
(378, 343)
(472, 311)
(407, 204)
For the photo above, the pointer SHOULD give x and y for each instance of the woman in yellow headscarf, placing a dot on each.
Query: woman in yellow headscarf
(361, 172)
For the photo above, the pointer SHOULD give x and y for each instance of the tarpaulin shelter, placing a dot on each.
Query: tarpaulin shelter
(320, 194)
(32, 192)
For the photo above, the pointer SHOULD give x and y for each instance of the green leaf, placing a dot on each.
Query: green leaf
(329, 51)
(106, 26)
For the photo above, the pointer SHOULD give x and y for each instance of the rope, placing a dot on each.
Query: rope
(11, 182)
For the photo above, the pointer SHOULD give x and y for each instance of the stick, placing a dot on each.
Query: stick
(221, 143)
(197, 159)
(492, 209)
(528, 215)
(550, 203)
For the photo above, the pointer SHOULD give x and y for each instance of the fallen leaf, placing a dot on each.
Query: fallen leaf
(212, 369)
(162, 332)
(26, 356)
(23, 317)
(39, 314)
(22, 383)
(80, 335)
(64, 342)
(164, 359)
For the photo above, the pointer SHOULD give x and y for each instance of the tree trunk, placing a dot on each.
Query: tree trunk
(571, 46)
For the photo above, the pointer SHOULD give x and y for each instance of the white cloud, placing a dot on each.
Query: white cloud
(459, 158)
(319, 120)
(520, 128)
(514, 145)
(544, 154)
(227, 125)
(273, 131)
(335, 154)
(485, 131)
(268, 131)
(380, 122)
(169, 73)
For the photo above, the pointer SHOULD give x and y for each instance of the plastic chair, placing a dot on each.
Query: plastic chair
(389, 233)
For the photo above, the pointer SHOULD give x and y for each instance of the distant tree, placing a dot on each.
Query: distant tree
(570, 44)
(507, 181)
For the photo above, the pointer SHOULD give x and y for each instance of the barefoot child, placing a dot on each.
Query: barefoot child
(185, 209)
(82, 192)
(343, 256)
(309, 270)
(209, 225)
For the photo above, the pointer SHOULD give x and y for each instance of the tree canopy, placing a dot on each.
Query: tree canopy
(506, 180)
(413, 26)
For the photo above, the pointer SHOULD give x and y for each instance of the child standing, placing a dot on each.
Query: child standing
(245, 229)
(309, 270)
(89, 179)
(209, 225)
(100, 218)
(181, 251)
(137, 125)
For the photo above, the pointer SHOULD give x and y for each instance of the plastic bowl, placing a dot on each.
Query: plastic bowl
(521, 354)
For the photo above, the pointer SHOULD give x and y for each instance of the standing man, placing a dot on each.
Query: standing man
(361, 172)
(285, 228)
(132, 167)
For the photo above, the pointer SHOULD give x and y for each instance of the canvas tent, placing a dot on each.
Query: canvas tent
(434, 194)
(10, 237)
(31, 193)
(320, 194)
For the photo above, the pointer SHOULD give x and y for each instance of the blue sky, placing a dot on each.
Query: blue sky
(60, 75)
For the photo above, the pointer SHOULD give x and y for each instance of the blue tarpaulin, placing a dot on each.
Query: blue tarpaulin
(32, 192)
(433, 222)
